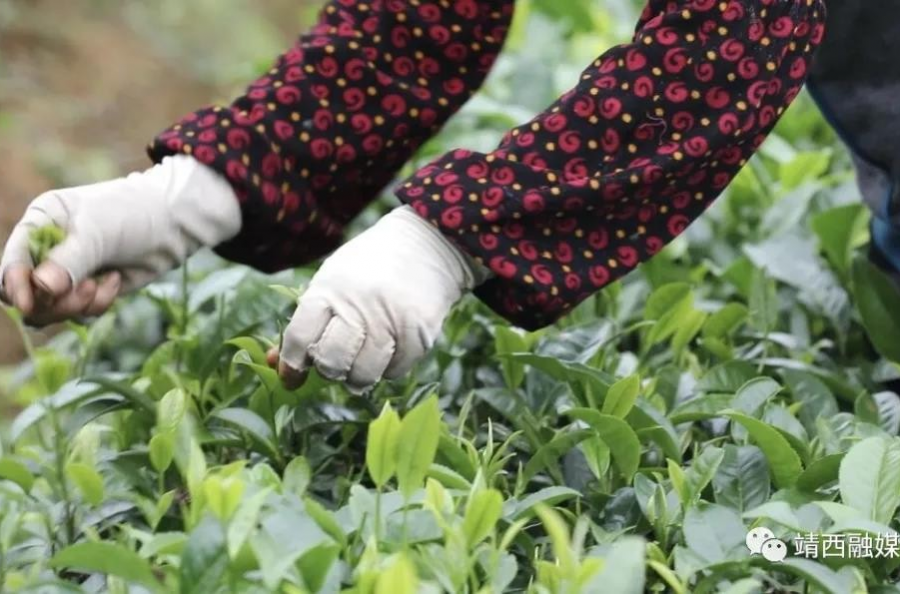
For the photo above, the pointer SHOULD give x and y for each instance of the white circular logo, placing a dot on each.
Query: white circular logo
(774, 550)
(756, 538)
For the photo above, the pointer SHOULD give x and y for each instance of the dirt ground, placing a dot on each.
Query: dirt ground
(85, 84)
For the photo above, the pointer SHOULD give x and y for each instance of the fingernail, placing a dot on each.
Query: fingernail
(85, 289)
(52, 279)
(43, 296)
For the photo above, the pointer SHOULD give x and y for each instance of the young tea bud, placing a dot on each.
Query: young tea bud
(42, 240)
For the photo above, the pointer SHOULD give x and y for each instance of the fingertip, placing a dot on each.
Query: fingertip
(24, 302)
(108, 287)
(52, 279)
(272, 357)
(87, 289)
(291, 379)
(113, 280)
(106, 293)
(17, 289)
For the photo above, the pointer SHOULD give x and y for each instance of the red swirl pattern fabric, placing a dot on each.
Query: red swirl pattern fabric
(569, 202)
(315, 140)
(622, 164)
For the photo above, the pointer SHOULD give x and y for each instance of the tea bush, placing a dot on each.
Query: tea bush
(741, 379)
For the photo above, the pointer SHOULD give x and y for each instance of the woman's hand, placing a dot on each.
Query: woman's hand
(377, 304)
(134, 228)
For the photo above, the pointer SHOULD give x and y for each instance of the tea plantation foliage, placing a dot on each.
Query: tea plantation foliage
(740, 379)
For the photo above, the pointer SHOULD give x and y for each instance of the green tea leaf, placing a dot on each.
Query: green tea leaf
(325, 520)
(399, 577)
(483, 510)
(624, 570)
(551, 451)
(763, 302)
(137, 398)
(818, 575)
(252, 347)
(162, 451)
(255, 427)
(381, 448)
(88, 481)
(297, 476)
(52, 370)
(725, 321)
(701, 408)
(244, 522)
(679, 483)
(727, 377)
(549, 496)
(16, 472)
(315, 564)
(878, 301)
(701, 472)
(204, 559)
(754, 394)
(170, 411)
(107, 558)
(783, 460)
(869, 478)
(742, 479)
(621, 439)
(419, 434)
(510, 341)
(689, 327)
(621, 397)
(836, 237)
(670, 306)
(596, 454)
(805, 166)
(566, 371)
(558, 532)
(820, 472)
(164, 543)
(43, 239)
(714, 532)
(651, 425)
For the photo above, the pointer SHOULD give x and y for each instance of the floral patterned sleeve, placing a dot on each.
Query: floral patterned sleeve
(623, 163)
(314, 141)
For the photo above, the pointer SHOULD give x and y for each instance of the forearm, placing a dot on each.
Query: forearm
(313, 142)
(623, 163)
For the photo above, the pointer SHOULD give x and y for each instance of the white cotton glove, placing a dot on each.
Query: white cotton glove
(139, 226)
(377, 305)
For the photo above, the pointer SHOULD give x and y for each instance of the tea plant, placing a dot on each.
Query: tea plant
(43, 239)
(742, 379)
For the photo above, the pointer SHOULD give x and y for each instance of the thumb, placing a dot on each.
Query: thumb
(68, 264)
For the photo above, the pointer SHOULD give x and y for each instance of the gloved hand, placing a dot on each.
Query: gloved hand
(376, 306)
(136, 228)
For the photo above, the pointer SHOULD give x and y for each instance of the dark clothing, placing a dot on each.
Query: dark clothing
(856, 81)
(600, 181)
